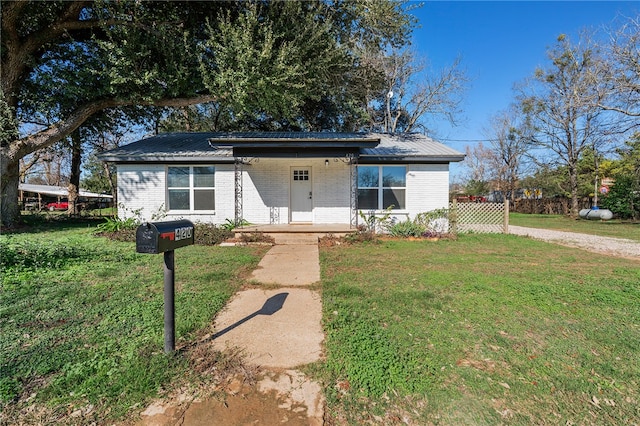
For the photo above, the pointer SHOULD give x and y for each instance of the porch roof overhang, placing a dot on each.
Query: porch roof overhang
(302, 139)
(293, 144)
(294, 152)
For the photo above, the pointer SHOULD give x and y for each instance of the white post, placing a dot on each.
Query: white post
(506, 215)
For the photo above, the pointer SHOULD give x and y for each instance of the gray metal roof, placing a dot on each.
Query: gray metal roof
(410, 147)
(218, 147)
(169, 147)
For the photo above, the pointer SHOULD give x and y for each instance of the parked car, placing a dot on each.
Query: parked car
(58, 205)
(31, 204)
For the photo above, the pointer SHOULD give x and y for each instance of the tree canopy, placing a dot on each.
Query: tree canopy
(289, 64)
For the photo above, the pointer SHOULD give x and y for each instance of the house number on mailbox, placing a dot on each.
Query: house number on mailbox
(184, 233)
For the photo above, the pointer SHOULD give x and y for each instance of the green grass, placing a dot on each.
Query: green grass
(486, 329)
(609, 228)
(81, 317)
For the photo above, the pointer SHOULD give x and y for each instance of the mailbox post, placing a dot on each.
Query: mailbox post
(165, 237)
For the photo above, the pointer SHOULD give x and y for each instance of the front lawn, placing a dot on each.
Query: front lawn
(486, 329)
(81, 320)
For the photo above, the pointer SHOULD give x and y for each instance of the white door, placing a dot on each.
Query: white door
(301, 195)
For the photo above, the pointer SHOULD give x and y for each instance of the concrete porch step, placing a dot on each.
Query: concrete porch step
(297, 234)
(295, 238)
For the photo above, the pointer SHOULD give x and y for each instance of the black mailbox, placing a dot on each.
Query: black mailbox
(160, 237)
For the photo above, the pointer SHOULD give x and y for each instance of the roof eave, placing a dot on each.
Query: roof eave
(164, 159)
(219, 159)
(434, 159)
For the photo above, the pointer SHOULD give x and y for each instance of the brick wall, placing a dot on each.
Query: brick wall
(266, 189)
(427, 187)
(141, 188)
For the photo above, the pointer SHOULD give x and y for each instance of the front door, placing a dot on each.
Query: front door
(301, 195)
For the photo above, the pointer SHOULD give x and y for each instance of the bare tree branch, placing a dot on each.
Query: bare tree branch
(620, 65)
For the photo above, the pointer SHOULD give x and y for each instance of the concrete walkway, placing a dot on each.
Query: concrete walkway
(278, 328)
(294, 260)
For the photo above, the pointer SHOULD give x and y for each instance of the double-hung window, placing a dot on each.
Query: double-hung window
(191, 188)
(382, 186)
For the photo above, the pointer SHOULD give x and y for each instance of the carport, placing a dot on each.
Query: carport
(35, 197)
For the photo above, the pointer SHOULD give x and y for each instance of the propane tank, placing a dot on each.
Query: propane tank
(595, 213)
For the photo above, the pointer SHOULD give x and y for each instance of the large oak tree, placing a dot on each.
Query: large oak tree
(64, 62)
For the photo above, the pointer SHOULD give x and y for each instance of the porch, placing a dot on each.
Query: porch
(320, 229)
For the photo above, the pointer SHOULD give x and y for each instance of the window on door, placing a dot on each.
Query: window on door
(380, 187)
(191, 188)
(301, 175)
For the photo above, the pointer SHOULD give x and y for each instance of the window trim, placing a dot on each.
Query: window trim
(380, 188)
(192, 188)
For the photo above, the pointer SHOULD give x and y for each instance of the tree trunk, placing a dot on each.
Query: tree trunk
(11, 154)
(113, 189)
(573, 183)
(10, 169)
(74, 178)
(513, 185)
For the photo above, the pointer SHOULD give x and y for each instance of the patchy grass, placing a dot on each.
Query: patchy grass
(81, 320)
(609, 228)
(486, 329)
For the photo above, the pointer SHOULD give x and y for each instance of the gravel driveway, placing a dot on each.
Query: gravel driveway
(611, 246)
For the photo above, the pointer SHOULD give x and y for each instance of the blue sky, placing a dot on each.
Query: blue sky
(501, 43)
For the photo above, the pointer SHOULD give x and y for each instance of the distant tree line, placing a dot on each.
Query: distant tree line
(573, 123)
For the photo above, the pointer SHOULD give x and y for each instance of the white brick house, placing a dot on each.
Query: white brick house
(281, 178)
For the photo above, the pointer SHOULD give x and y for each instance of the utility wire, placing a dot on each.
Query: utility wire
(465, 140)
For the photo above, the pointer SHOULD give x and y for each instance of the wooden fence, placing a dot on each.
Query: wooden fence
(479, 217)
(556, 205)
